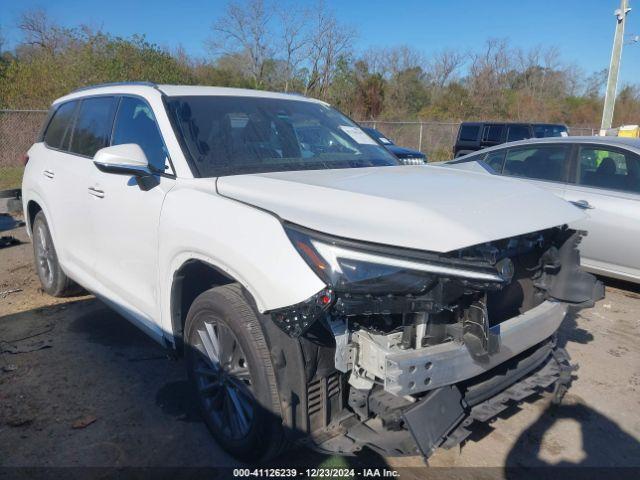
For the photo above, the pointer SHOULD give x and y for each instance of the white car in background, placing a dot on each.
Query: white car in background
(601, 175)
(318, 290)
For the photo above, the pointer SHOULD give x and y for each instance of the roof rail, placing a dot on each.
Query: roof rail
(115, 84)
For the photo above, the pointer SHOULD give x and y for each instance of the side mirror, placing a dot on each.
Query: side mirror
(125, 159)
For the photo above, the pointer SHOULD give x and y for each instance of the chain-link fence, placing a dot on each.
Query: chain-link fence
(18, 131)
(436, 139)
(19, 128)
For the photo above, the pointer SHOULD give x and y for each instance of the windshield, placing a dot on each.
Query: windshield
(234, 135)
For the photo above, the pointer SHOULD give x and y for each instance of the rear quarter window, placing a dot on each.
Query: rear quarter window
(59, 128)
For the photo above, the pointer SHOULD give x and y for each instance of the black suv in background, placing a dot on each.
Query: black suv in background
(473, 136)
(405, 155)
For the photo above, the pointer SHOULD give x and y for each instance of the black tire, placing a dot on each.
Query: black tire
(52, 278)
(226, 312)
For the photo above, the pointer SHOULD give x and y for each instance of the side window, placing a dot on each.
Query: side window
(469, 133)
(544, 130)
(135, 123)
(492, 133)
(542, 163)
(518, 132)
(495, 160)
(604, 168)
(59, 129)
(93, 125)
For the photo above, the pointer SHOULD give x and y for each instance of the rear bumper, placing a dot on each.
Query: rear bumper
(429, 368)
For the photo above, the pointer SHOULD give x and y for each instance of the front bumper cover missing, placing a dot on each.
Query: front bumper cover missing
(413, 371)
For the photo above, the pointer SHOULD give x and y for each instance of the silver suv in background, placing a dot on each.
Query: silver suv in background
(601, 175)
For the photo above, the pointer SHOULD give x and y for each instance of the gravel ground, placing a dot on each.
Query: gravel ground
(80, 386)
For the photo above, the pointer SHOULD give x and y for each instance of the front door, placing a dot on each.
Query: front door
(126, 218)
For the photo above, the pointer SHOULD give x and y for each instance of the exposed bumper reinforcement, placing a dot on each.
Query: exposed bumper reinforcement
(414, 371)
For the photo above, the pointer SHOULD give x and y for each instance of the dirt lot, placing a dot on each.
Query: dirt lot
(80, 386)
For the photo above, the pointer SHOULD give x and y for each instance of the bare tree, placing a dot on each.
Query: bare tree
(244, 29)
(489, 78)
(329, 40)
(294, 39)
(39, 31)
(444, 65)
(594, 83)
(403, 58)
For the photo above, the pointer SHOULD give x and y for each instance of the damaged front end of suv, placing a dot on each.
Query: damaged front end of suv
(404, 349)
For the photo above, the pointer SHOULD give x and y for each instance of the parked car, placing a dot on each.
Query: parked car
(317, 289)
(598, 174)
(473, 136)
(405, 155)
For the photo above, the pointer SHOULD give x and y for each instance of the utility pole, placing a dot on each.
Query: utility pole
(614, 67)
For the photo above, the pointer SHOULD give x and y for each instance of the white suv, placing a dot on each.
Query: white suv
(318, 291)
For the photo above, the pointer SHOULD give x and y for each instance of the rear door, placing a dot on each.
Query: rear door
(126, 217)
(71, 168)
(91, 132)
(606, 183)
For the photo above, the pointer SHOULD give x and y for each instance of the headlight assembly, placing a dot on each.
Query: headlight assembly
(346, 267)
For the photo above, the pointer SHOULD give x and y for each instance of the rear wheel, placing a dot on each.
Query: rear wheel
(230, 370)
(52, 278)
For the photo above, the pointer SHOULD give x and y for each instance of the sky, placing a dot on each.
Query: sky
(582, 30)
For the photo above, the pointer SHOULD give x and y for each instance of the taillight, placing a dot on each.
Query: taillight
(25, 159)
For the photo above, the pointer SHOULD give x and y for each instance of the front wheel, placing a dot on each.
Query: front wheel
(231, 373)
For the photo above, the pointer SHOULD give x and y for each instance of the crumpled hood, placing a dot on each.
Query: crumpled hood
(419, 207)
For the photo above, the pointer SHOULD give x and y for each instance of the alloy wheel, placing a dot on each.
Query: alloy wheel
(223, 379)
(44, 254)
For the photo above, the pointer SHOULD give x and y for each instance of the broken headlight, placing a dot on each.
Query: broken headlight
(346, 266)
(296, 319)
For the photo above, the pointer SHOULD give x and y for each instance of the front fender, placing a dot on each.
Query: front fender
(246, 243)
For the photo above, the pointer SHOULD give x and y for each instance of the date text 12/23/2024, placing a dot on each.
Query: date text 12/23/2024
(315, 473)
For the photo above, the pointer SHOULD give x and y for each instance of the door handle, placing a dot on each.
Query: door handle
(49, 173)
(96, 192)
(583, 204)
